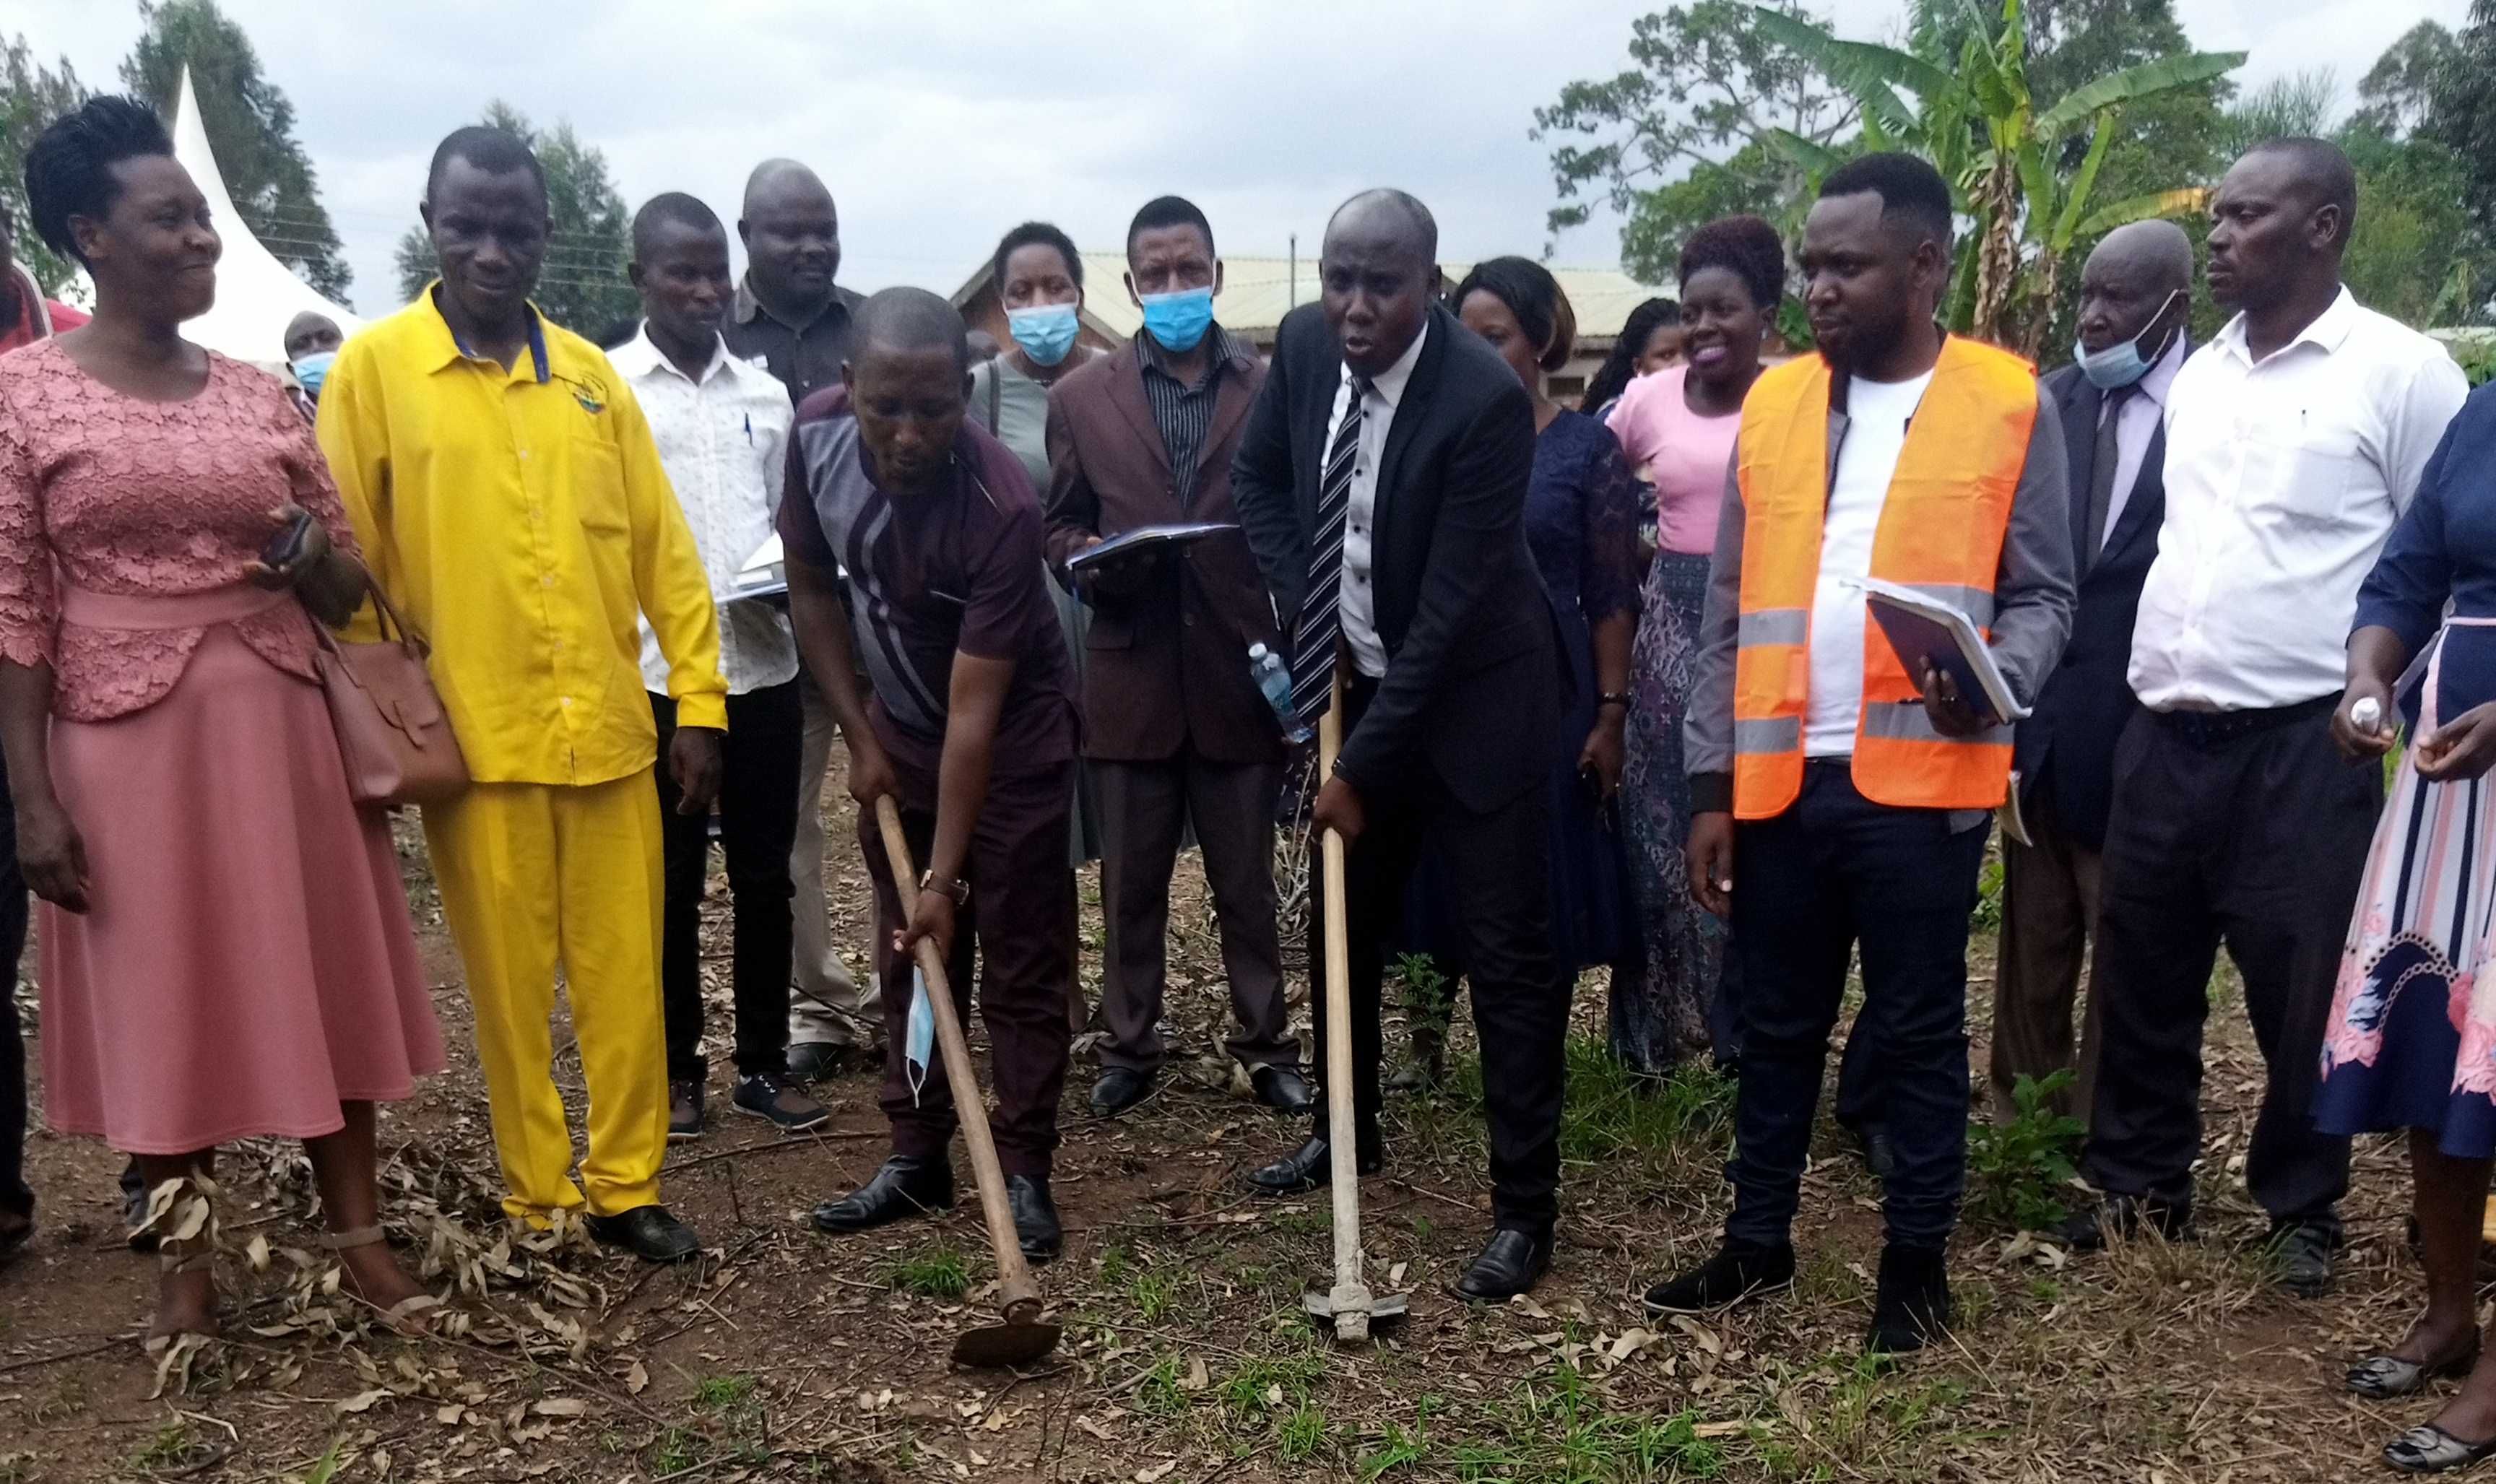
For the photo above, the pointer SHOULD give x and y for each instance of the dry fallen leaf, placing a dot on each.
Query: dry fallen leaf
(1156, 1471)
(637, 1379)
(1196, 1378)
(363, 1401)
(562, 1406)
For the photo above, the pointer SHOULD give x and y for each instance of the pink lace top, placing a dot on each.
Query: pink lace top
(123, 496)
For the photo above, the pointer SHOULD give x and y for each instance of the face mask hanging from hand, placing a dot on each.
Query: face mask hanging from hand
(2120, 364)
(1178, 320)
(1045, 332)
(312, 369)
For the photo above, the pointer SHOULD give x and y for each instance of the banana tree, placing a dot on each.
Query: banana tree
(1972, 115)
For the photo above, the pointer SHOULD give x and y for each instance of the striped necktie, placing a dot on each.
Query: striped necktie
(1321, 626)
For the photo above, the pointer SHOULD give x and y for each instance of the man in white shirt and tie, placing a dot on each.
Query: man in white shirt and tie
(2294, 442)
(722, 428)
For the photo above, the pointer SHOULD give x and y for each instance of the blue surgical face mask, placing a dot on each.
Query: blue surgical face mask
(312, 369)
(2119, 364)
(1178, 320)
(1045, 332)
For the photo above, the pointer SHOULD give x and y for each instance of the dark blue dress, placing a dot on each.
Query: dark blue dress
(2411, 1042)
(1582, 519)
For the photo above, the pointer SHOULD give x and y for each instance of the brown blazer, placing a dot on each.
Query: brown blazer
(1166, 665)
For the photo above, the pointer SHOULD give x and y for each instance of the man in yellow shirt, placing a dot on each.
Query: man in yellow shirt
(511, 504)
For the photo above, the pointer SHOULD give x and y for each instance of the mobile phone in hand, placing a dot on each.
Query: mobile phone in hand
(285, 547)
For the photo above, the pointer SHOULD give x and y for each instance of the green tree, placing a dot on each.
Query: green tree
(2396, 95)
(250, 126)
(1681, 137)
(2461, 108)
(1959, 96)
(31, 96)
(582, 285)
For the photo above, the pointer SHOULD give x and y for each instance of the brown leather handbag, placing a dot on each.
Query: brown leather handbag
(393, 735)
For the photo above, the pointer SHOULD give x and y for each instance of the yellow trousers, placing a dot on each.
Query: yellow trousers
(535, 877)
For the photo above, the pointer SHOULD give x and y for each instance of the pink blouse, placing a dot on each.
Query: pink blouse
(118, 495)
(1681, 452)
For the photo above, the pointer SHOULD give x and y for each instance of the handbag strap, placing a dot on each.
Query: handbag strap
(388, 618)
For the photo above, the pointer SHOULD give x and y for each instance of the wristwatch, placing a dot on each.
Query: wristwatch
(956, 889)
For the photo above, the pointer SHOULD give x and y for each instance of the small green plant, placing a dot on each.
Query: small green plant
(1158, 1394)
(723, 1393)
(1400, 1448)
(1115, 1262)
(1558, 1432)
(326, 1467)
(1303, 1432)
(1154, 1292)
(1611, 1109)
(938, 1274)
(1430, 998)
(1988, 917)
(2017, 1170)
(1261, 1386)
(170, 1446)
(679, 1449)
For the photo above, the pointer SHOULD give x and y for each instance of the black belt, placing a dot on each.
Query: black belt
(2209, 728)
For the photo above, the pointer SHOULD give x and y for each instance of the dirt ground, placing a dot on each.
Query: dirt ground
(785, 1354)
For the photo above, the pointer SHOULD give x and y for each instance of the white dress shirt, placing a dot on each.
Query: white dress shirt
(1876, 434)
(2138, 420)
(1357, 607)
(724, 442)
(2284, 476)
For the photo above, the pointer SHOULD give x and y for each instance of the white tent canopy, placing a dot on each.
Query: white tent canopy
(256, 293)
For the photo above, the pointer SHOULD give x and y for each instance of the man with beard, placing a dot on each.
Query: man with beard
(1854, 790)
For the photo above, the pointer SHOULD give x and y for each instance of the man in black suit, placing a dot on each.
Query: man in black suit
(1382, 482)
(2135, 295)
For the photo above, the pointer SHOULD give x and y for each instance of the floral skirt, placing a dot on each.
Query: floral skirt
(2412, 1038)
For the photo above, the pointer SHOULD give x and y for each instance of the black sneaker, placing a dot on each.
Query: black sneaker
(777, 1100)
(684, 1109)
(1737, 1271)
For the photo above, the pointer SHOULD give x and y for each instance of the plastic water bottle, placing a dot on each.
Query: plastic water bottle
(1275, 678)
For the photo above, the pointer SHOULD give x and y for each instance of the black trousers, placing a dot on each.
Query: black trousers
(757, 826)
(14, 1193)
(1498, 865)
(2257, 840)
(1834, 872)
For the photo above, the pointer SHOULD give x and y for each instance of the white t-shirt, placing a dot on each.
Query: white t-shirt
(1876, 432)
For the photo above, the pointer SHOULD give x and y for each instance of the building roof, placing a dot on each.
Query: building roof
(1257, 292)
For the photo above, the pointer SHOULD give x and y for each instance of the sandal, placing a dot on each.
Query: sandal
(2429, 1450)
(2382, 1377)
(399, 1316)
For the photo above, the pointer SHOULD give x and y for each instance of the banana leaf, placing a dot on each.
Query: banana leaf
(2134, 82)
(2142, 208)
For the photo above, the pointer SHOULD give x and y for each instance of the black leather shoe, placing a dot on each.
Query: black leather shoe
(1283, 1089)
(1035, 1217)
(1120, 1088)
(1737, 1271)
(2085, 1229)
(2300, 1257)
(1910, 1302)
(906, 1186)
(1509, 1264)
(647, 1232)
(1880, 1157)
(1312, 1164)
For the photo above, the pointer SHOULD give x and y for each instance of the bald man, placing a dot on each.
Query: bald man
(967, 717)
(791, 317)
(1382, 483)
(2136, 293)
(2294, 440)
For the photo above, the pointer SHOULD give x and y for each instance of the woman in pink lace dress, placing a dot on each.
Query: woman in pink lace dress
(226, 948)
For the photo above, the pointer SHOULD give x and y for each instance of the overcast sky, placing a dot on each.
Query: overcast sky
(938, 125)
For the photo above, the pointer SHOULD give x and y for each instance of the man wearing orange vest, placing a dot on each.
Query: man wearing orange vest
(1860, 789)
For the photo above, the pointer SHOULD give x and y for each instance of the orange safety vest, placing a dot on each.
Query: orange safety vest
(1940, 531)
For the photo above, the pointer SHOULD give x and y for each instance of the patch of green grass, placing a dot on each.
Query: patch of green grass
(1988, 917)
(1301, 1223)
(1613, 1110)
(1154, 1293)
(2017, 1171)
(679, 1449)
(940, 1273)
(1115, 1261)
(326, 1467)
(1876, 1410)
(1399, 1448)
(1558, 1431)
(1251, 1390)
(1304, 1434)
(723, 1393)
(169, 1447)
(1158, 1394)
